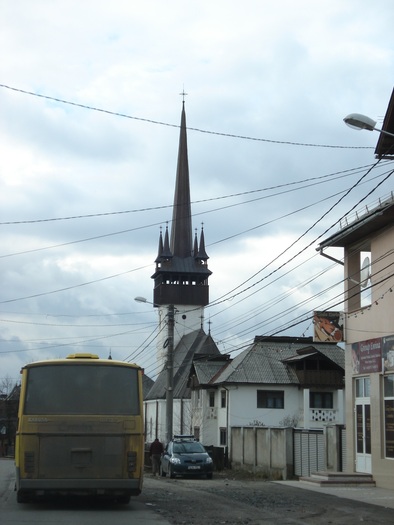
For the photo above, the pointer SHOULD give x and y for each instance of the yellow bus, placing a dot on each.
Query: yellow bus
(80, 428)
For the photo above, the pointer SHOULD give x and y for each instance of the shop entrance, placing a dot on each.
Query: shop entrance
(363, 425)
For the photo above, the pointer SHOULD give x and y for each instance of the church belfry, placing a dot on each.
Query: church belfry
(181, 275)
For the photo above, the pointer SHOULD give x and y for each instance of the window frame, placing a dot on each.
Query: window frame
(325, 396)
(388, 408)
(271, 399)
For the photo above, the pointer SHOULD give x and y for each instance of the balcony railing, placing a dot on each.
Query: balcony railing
(331, 378)
(323, 415)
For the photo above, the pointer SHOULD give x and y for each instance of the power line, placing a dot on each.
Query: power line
(228, 295)
(205, 212)
(330, 176)
(150, 121)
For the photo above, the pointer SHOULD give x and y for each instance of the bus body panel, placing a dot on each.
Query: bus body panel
(82, 453)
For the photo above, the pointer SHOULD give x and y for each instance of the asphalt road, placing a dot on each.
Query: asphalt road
(226, 499)
(69, 511)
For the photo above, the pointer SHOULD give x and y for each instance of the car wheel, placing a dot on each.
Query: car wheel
(170, 473)
(209, 476)
(162, 473)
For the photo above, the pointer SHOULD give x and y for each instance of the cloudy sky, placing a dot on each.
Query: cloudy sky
(90, 113)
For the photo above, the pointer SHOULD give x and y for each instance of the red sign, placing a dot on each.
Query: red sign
(367, 356)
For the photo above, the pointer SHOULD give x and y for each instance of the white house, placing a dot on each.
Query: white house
(277, 381)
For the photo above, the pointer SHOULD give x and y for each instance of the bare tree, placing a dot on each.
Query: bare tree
(6, 385)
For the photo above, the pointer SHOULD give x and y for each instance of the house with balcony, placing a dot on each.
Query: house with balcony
(275, 382)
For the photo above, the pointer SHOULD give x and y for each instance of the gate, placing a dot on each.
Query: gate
(309, 451)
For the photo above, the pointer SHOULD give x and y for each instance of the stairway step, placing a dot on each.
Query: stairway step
(338, 479)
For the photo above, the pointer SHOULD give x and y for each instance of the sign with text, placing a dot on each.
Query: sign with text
(369, 356)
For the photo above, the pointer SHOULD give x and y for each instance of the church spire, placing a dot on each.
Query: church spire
(181, 276)
(166, 248)
(181, 230)
(202, 254)
(160, 250)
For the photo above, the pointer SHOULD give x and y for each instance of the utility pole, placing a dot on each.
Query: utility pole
(170, 374)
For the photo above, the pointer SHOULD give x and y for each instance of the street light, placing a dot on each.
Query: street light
(169, 365)
(358, 121)
(140, 299)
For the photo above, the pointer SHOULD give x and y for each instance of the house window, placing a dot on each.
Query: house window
(223, 436)
(270, 399)
(321, 400)
(196, 433)
(211, 399)
(223, 398)
(363, 387)
(197, 398)
(389, 415)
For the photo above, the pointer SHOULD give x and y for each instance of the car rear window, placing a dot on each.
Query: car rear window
(188, 447)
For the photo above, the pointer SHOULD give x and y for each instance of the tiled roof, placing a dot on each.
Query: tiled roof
(206, 370)
(196, 343)
(263, 362)
(147, 384)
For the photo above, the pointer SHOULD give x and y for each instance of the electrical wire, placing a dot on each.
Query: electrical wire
(156, 122)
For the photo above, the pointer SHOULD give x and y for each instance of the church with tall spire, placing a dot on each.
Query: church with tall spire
(181, 275)
(180, 283)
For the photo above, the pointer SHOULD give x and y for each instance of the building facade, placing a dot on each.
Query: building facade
(276, 382)
(368, 259)
(368, 245)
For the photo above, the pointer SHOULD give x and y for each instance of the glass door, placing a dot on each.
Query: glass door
(363, 425)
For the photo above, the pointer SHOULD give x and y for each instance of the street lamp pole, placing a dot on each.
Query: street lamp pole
(169, 367)
(170, 374)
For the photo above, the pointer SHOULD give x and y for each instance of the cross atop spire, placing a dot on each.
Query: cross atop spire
(183, 94)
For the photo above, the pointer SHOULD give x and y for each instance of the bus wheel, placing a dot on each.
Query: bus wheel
(22, 496)
(124, 500)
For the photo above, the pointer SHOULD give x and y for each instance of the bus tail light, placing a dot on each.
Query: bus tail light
(131, 461)
(29, 462)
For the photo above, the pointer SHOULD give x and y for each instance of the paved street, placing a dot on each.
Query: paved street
(68, 511)
(225, 499)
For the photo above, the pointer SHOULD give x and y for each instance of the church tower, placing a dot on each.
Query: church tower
(181, 275)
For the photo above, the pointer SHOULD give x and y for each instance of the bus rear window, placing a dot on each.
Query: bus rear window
(82, 389)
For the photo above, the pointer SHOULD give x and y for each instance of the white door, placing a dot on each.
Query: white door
(363, 425)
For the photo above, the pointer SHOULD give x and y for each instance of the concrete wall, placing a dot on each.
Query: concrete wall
(264, 450)
(333, 447)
